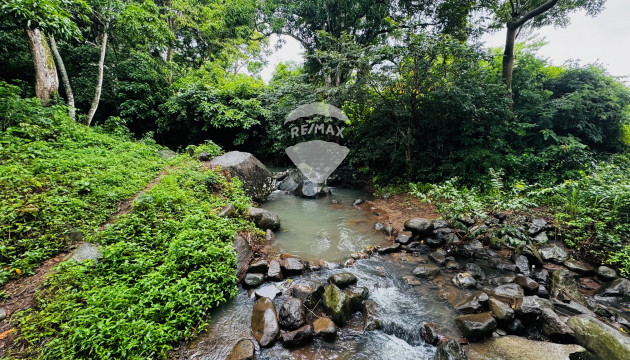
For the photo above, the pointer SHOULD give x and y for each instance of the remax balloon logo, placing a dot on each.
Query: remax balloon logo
(317, 159)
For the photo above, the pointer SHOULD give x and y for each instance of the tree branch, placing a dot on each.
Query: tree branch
(537, 11)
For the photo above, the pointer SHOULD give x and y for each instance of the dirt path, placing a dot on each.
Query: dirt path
(21, 292)
(400, 208)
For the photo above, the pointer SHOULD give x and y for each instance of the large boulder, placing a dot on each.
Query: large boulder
(256, 179)
(291, 315)
(476, 326)
(243, 350)
(265, 326)
(264, 219)
(243, 252)
(518, 348)
(341, 304)
(450, 350)
(604, 341)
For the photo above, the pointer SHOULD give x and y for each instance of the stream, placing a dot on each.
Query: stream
(318, 229)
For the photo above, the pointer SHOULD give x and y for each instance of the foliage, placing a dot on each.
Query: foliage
(164, 266)
(57, 176)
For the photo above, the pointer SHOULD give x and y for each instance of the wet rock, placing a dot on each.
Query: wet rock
(531, 306)
(264, 219)
(445, 236)
(553, 253)
(386, 229)
(450, 350)
(579, 267)
(571, 308)
(476, 326)
(292, 266)
(259, 266)
(465, 280)
(256, 179)
(253, 280)
(269, 236)
(438, 257)
(430, 333)
(426, 271)
(291, 315)
(528, 284)
(606, 273)
(503, 280)
(518, 348)
(564, 285)
(337, 304)
(554, 328)
(297, 337)
(542, 292)
(541, 238)
(509, 267)
(309, 291)
(522, 264)
(619, 287)
(595, 336)
(265, 326)
(311, 190)
(371, 320)
(473, 303)
(537, 226)
(403, 239)
(438, 224)
(243, 252)
(418, 226)
(342, 280)
(274, 272)
(541, 276)
(325, 328)
(355, 297)
(509, 290)
(411, 280)
(500, 310)
(389, 249)
(358, 202)
(472, 248)
(348, 263)
(269, 291)
(243, 350)
(452, 265)
(515, 327)
(434, 242)
(476, 271)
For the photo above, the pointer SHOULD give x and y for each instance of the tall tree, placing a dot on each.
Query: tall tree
(517, 14)
(64, 77)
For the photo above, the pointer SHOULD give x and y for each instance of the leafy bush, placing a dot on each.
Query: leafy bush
(164, 266)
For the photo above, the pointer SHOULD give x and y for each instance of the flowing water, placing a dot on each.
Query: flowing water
(317, 229)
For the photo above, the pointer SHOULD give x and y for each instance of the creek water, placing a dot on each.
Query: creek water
(317, 229)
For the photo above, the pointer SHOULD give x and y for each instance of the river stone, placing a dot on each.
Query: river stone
(297, 337)
(342, 280)
(430, 333)
(309, 189)
(619, 287)
(309, 291)
(445, 236)
(253, 280)
(438, 257)
(259, 266)
(291, 314)
(537, 226)
(500, 310)
(293, 179)
(371, 320)
(476, 326)
(274, 273)
(465, 280)
(355, 297)
(292, 266)
(509, 290)
(579, 267)
(403, 239)
(528, 284)
(389, 249)
(473, 303)
(452, 265)
(503, 280)
(606, 273)
(325, 328)
(264, 219)
(564, 284)
(243, 252)
(337, 304)
(86, 251)
(553, 253)
(450, 350)
(531, 307)
(418, 226)
(256, 179)
(518, 348)
(554, 328)
(269, 291)
(476, 271)
(426, 271)
(604, 341)
(522, 264)
(265, 325)
(243, 350)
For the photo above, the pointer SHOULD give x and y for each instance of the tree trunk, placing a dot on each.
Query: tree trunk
(99, 83)
(64, 78)
(508, 56)
(46, 80)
